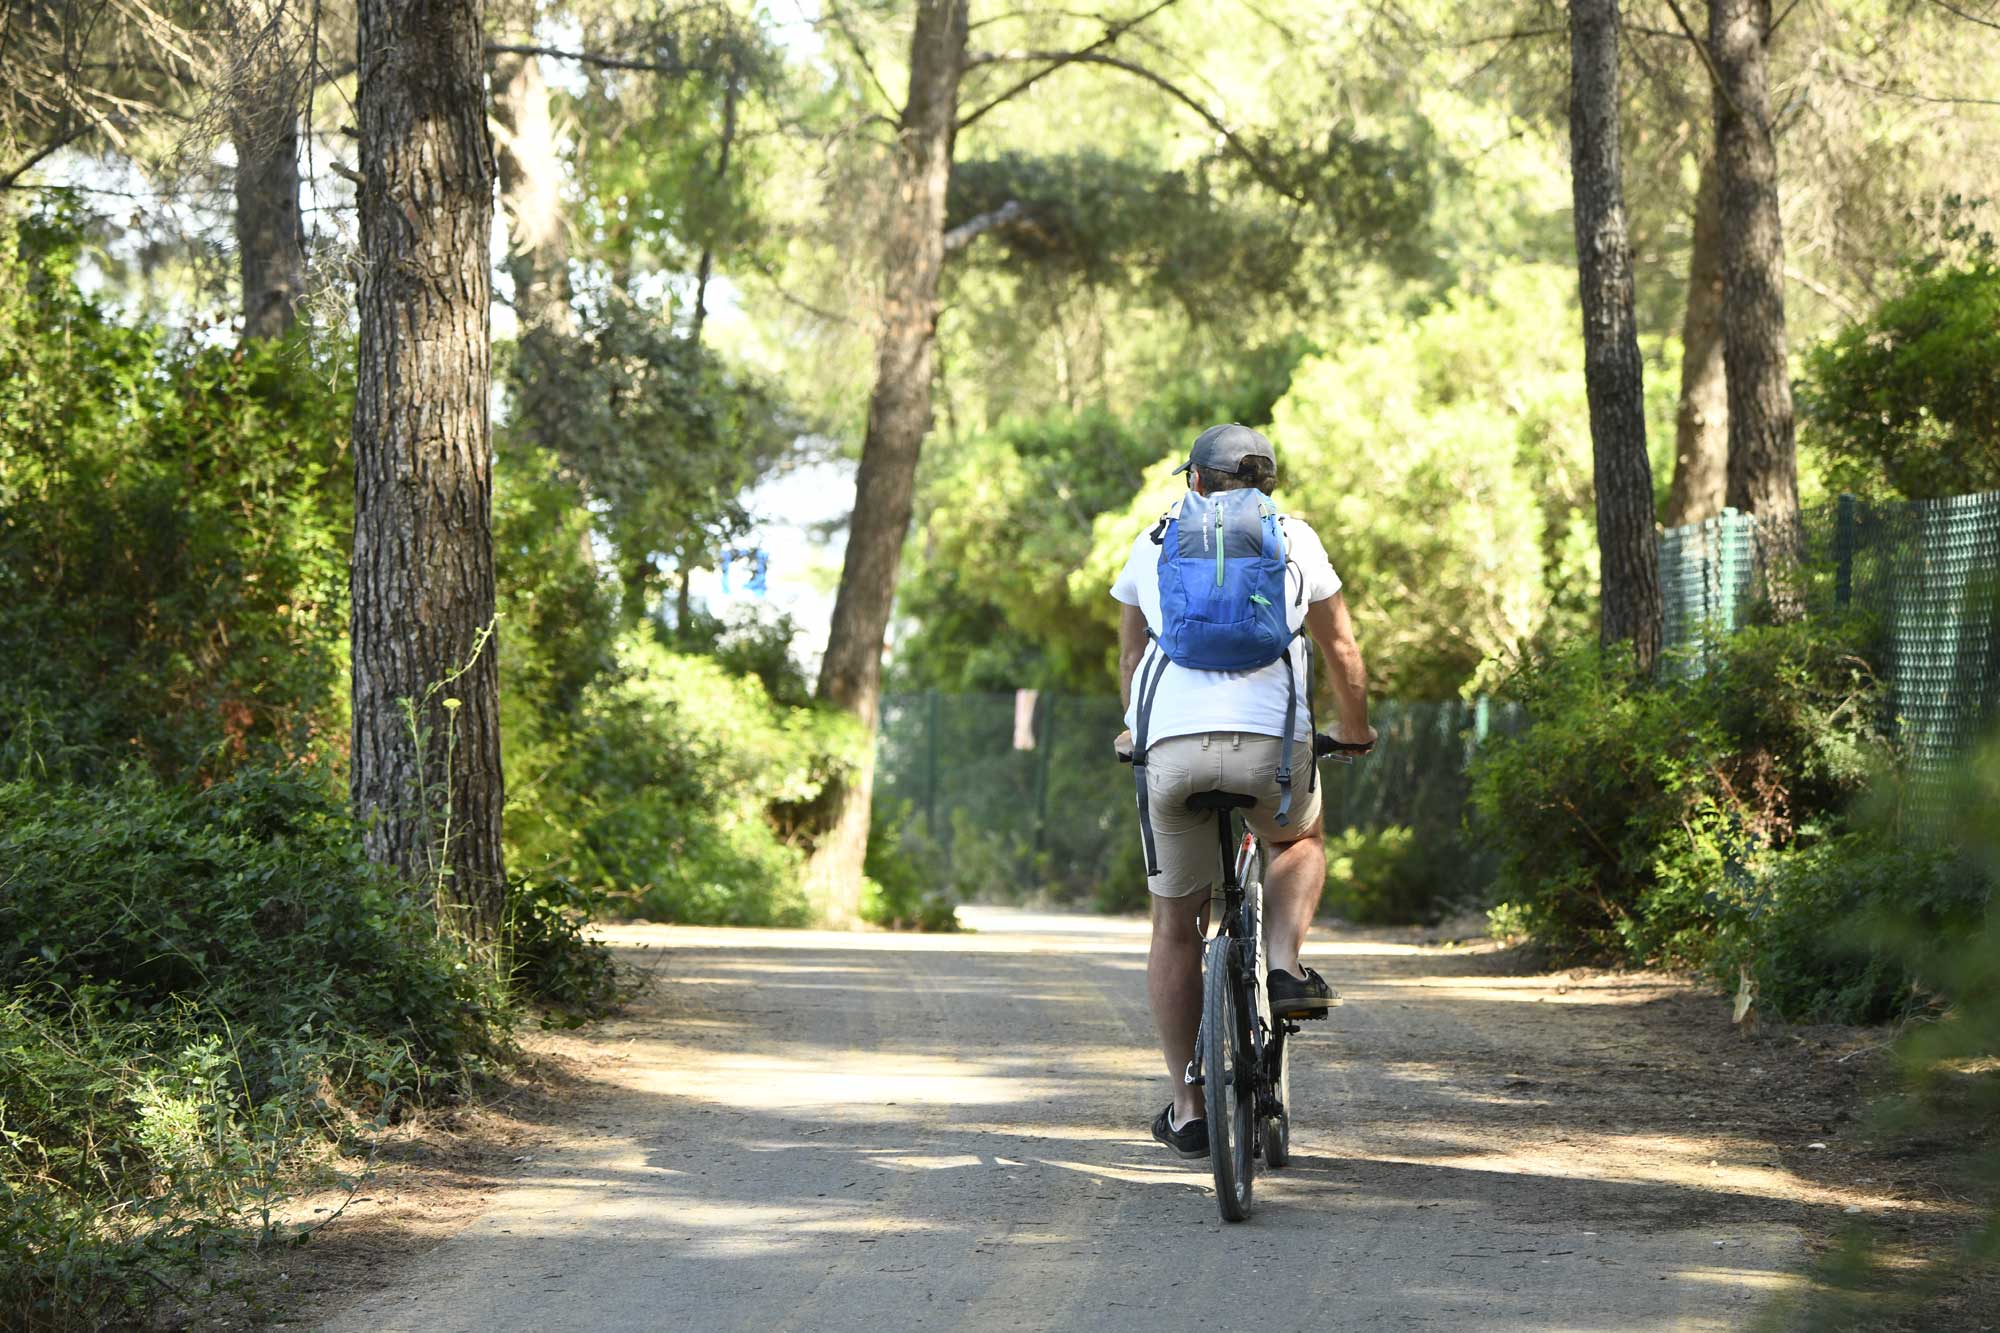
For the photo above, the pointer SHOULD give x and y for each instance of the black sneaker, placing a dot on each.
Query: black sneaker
(1190, 1140)
(1293, 998)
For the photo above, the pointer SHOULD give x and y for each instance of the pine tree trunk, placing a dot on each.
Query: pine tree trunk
(899, 415)
(1627, 545)
(422, 575)
(264, 107)
(1763, 464)
(1701, 426)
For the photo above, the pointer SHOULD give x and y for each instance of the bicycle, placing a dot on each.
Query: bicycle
(1241, 1057)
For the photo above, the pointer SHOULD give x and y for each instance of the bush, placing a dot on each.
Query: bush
(1912, 394)
(1623, 807)
(1392, 877)
(673, 790)
(173, 568)
(907, 885)
(1805, 924)
(194, 983)
(555, 963)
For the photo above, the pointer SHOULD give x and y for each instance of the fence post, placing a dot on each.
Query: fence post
(1047, 743)
(1843, 549)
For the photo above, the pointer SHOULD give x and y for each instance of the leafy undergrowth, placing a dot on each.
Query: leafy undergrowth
(201, 988)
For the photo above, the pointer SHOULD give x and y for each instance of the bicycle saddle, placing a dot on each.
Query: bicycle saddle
(1220, 800)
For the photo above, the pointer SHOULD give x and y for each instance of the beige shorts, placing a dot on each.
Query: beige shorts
(1181, 766)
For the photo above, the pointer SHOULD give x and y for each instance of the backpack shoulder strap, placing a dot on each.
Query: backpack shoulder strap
(1151, 671)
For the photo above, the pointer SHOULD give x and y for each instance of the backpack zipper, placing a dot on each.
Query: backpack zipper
(1218, 546)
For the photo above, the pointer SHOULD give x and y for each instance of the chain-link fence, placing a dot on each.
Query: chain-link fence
(1011, 793)
(1925, 569)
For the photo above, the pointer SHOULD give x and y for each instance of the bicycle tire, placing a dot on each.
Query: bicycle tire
(1228, 1080)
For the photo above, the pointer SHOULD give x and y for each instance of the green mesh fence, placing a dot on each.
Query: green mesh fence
(1010, 793)
(1926, 569)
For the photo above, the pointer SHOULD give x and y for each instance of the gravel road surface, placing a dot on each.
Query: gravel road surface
(813, 1131)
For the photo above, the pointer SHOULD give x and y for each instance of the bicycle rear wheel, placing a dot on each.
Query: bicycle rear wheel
(1228, 1079)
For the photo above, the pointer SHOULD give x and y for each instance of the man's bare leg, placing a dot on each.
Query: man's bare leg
(1173, 984)
(1292, 887)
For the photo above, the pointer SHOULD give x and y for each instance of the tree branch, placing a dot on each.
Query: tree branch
(965, 233)
(860, 54)
(596, 59)
(1707, 57)
(1960, 13)
(1258, 167)
(1914, 96)
(1112, 32)
(42, 154)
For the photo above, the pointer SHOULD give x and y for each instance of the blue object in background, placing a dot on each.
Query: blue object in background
(760, 566)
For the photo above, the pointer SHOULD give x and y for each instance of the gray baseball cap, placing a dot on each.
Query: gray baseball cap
(1223, 449)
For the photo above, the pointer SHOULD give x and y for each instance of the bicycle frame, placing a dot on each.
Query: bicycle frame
(1240, 895)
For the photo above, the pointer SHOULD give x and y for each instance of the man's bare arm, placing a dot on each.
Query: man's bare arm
(1332, 632)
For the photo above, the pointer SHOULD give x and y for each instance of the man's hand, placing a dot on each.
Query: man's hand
(1122, 746)
(1361, 735)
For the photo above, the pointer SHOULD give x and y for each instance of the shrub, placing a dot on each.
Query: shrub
(1624, 805)
(1912, 394)
(173, 571)
(672, 790)
(1805, 924)
(555, 963)
(252, 894)
(907, 885)
(193, 984)
(1392, 877)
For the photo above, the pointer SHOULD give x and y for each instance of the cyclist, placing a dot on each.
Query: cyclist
(1225, 731)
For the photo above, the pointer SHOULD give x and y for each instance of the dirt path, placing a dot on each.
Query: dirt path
(818, 1131)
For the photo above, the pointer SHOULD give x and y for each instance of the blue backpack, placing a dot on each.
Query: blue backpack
(1222, 608)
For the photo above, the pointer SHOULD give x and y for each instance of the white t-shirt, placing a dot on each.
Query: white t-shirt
(1190, 702)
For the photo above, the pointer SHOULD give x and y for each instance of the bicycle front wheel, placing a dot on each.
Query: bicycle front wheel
(1228, 1079)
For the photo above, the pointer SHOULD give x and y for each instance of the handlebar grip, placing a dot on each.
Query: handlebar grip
(1325, 745)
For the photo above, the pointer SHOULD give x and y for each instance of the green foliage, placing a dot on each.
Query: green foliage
(1936, 932)
(1446, 465)
(1210, 238)
(251, 893)
(1911, 395)
(194, 984)
(1626, 804)
(173, 521)
(1392, 877)
(673, 790)
(660, 434)
(1008, 515)
(569, 975)
(906, 880)
(1804, 923)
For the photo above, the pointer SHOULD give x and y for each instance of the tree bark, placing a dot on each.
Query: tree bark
(1627, 545)
(1701, 425)
(264, 130)
(899, 415)
(422, 574)
(1763, 460)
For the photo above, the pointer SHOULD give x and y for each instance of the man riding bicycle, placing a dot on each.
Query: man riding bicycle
(1240, 731)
